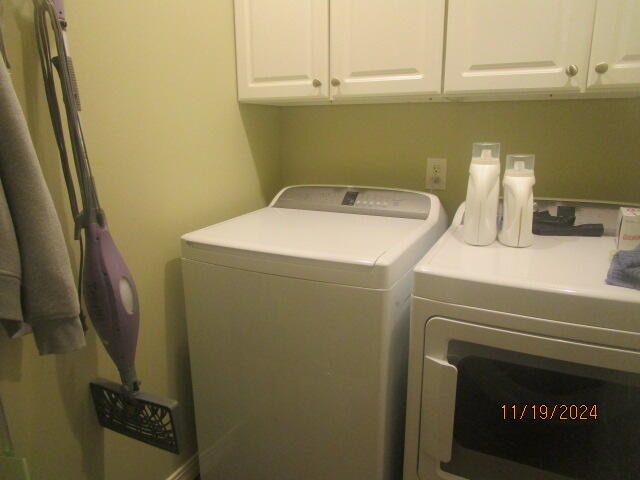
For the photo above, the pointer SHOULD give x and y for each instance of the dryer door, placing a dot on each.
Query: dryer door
(499, 404)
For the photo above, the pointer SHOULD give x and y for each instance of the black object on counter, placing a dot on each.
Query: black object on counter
(567, 212)
(563, 225)
(545, 218)
(586, 230)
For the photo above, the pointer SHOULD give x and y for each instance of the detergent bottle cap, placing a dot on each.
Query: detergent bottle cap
(485, 153)
(520, 164)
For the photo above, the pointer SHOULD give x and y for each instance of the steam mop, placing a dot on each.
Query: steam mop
(110, 294)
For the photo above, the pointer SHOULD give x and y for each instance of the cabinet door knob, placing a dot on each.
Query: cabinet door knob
(335, 82)
(316, 83)
(602, 67)
(571, 70)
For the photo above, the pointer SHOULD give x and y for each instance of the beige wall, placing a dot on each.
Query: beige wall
(171, 151)
(584, 149)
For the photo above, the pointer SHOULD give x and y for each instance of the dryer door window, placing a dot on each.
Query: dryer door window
(504, 405)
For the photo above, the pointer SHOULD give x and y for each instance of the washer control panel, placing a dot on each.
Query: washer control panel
(357, 200)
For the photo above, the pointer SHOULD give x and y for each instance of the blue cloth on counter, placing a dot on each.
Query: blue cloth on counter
(625, 269)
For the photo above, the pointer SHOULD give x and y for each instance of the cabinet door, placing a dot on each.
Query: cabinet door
(517, 45)
(615, 51)
(384, 48)
(282, 49)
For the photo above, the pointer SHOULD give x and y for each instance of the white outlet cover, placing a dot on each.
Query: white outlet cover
(436, 178)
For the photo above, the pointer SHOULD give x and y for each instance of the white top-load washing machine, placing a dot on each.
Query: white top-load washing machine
(523, 363)
(298, 328)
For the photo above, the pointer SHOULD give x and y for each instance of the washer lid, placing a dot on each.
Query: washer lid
(363, 250)
(557, 278)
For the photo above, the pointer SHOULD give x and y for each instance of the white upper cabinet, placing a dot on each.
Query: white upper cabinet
(282, 49)
(318, 51)
(507, 46)
(386, 48)
(615, 51)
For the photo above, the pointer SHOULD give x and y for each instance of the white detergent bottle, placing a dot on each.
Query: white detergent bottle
(481, 207)
(517, 223)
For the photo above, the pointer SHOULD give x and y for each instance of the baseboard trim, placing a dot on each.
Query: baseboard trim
(188, 471)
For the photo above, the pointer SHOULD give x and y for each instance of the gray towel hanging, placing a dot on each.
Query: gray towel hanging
(47, 294)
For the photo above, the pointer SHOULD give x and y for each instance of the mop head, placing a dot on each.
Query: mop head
(141, 416)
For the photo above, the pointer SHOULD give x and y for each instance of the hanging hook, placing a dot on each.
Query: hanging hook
(59, 6)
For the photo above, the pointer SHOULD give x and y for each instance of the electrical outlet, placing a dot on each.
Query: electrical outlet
(436, 173)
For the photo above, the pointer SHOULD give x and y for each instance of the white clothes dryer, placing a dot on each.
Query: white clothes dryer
(298, 328)
(523, 363)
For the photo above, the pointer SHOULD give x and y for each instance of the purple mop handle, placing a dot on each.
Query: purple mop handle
(59, 6)
(112, 300)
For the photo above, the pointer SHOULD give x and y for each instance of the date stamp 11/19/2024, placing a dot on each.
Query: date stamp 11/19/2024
(541, 411)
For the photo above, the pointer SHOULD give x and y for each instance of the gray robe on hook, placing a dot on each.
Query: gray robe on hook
(37, 290)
